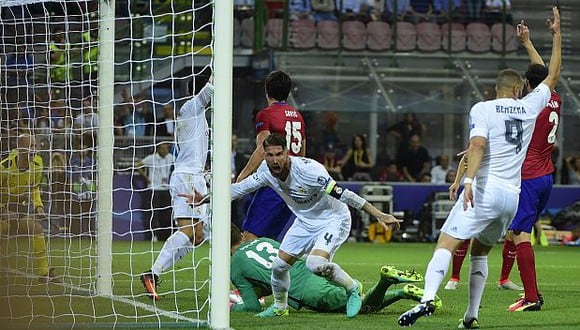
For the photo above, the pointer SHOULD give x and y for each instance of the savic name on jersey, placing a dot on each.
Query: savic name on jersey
(510, 109)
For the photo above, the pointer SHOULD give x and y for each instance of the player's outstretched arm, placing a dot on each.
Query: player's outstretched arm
(556, 58)
(384, 219)
(256, 158)
(523, 33)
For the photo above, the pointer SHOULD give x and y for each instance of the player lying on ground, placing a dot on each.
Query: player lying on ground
(251, 269)
(322, 222)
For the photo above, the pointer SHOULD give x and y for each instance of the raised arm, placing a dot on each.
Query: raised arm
(523, 33)
(256, 158)
(556, 58)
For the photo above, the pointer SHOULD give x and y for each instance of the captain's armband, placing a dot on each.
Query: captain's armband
(344, 195)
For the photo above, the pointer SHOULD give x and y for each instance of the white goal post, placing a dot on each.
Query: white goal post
(77, 77)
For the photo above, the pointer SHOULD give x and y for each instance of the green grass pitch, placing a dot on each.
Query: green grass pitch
(558, 272)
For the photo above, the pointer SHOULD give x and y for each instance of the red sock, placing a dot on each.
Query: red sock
(527, 267)
(509, 257)
(458, 258)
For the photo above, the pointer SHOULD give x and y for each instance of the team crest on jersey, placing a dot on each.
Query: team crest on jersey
(322, 180)
(302, 190)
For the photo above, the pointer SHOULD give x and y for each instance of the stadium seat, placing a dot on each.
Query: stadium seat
(378, 35)
(478, 37)
(428, 37)
(458, 37)
(303, 34)
(274, 31)
(327, 34)
(354, 35)
(497, 38)
(248, 33)
(406, 36)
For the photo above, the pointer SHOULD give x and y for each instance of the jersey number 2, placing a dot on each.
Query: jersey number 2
(513, 133)
(553, 119)
(270, 249)
(293, 136)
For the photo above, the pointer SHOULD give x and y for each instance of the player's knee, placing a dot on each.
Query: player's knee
(320, 266)
(280, 278)
(279, 266)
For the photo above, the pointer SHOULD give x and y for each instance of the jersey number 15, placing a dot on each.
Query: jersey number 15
(294, 136)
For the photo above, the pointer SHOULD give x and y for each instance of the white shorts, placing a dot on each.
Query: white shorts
(495, 207)
(186, 183)
(328, 237)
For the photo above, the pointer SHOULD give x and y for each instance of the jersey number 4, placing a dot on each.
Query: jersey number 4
(294, 136)
(269, 248)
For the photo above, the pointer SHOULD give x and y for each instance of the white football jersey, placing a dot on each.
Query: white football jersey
(507, 124)
(192, 133)
(303, 191)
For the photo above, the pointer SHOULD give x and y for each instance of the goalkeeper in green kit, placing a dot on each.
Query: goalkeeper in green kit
(251, 269)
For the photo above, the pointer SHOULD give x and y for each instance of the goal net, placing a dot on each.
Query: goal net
(98, 85)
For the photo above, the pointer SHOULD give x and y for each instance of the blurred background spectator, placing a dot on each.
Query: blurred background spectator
(331, 162)
(494, 11)
(156, 169)
(391, 173)
(406, 128)
(439, 171)
(358, 162)
(402, 11)
(442, 10)
(473, 9)
(324, 10)
(422, 11)
(414, 160)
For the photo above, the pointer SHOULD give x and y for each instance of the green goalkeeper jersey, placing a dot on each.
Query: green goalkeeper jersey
(251, 269)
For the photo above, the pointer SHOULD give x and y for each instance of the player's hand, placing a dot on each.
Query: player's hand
(453, 191)
(387, 220)
(554, 25)
(467, 196)
(523, 32)
(195, 199)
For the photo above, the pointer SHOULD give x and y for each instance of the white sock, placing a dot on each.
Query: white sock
(477, 278)
(340, 277)
(436, 271)
(175, 248)
(280, 281)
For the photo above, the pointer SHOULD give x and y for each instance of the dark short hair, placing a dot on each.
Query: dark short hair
(236, 235)
(278, 85)
(275, 139)
(536, 74)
